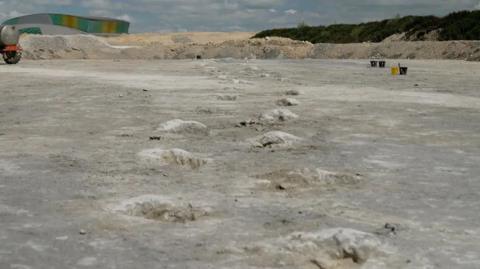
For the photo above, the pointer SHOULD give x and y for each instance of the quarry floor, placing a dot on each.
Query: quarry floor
(71, 133)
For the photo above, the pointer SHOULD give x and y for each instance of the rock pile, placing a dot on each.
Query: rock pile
(92, 47)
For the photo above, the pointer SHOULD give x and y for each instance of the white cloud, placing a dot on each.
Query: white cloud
(125, 17)
(10, 14)
(291, 12)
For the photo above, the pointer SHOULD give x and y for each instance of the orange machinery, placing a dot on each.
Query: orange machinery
(9, 47)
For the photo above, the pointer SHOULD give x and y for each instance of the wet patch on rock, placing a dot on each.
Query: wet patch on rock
(159, 208)
(178, 157)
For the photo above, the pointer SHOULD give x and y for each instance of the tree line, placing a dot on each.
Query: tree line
(463, 25)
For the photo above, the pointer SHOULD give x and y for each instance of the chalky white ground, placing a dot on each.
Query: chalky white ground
(83, 144)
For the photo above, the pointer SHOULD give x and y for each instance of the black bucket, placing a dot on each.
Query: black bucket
(403, 71)
(373, 63)
(382, 64)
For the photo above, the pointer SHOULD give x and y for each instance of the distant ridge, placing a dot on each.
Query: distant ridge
(463, 25)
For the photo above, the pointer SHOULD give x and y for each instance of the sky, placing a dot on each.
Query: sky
(234, 15)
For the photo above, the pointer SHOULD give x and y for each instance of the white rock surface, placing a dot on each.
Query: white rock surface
(159, 208)
(275, 139)
(87, 262)
(180, 157)
(324, 177)
(336, 248)
(183, 127)
(277, 115)
(285, 179)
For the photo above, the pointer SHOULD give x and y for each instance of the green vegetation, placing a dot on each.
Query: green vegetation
(464, 25)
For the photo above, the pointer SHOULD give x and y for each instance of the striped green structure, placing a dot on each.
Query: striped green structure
(11, 21)
(93, 25)
(31, 30)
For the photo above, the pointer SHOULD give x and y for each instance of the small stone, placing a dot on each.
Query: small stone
(82, 232)
(388, 229)
(227, 97)
(292, 92)
(287, 102)
(246, 123)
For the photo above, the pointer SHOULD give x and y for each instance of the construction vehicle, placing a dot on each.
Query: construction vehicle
(9, 47)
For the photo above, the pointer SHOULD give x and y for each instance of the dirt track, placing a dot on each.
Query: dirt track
(94, 174)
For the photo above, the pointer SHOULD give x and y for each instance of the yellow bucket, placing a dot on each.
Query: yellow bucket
(395, 71)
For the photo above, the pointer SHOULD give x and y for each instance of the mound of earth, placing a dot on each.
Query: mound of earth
(293, 92)
(178, 157)
(158, 208)
(326, 249)
(288, 102)
(67, 47)
(184, 127)
(303, 178)
(460, 50)
(275, 139)
(277, 116)
(183, 47)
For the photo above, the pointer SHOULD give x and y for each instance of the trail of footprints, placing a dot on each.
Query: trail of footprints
(334, 249)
